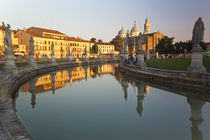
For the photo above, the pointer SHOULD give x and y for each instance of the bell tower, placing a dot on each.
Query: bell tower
(146, 26)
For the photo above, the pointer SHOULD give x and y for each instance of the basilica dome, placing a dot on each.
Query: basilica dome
(135, 30)
(122, 33)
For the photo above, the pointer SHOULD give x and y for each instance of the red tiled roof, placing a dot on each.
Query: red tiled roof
(103, 43)
(33, 33)
(46, 30)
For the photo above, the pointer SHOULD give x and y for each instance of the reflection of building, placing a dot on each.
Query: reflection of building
(45, 83)
(196, 117)
(152, 38)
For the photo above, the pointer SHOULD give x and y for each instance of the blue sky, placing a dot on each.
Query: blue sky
(104, 18)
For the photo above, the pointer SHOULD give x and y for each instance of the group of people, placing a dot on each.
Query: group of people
(132, 60)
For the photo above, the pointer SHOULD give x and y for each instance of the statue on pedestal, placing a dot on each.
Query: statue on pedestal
(7, 38)
(85, 53)
(69, 56)
(141, 39)
(53, 54)
(31, 53)
(196, 67)
(9, 53)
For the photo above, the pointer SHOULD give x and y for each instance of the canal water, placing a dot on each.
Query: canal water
(99, 103)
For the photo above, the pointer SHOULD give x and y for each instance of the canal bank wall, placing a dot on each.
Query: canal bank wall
(176, 78)
(10, 126)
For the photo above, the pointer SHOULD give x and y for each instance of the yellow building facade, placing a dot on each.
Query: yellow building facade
(43, 39)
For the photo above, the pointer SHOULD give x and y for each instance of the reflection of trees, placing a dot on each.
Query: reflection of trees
(94, 70)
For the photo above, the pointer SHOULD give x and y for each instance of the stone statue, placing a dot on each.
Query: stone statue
(32, 61)
(53, 54)
(9, 64)
(198, 32)
(31, 41)
(141, 39)
(7, 38)
(53, 47)
(125, 44)
(196, 67)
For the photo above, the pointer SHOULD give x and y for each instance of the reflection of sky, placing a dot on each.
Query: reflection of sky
(103, 18)
(96, 109)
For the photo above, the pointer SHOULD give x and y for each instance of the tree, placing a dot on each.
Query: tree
(166, 46)
(93, 39)
(118, 43)
(94, 49)
(100, 40)
(187, 45)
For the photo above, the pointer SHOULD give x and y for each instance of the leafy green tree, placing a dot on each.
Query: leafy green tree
(118, 43)
(93, 39)
(166, 46)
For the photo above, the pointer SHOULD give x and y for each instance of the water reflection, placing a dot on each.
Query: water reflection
(59, 79)
(56, 80)
(196, 106)
(196, 102)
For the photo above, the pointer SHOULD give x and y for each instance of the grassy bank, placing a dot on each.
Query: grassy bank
(175, 64)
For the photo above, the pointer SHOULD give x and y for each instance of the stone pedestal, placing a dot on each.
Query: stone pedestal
(9, 64)
(32, 61)
(100, 57)
(124, 57)
(140, 59)
(69, 58)
(196, 65)
(52, 61)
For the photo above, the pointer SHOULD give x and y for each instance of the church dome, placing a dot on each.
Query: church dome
(122, 33)
(135, 30)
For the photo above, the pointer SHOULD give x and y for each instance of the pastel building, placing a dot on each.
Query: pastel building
(43, 39)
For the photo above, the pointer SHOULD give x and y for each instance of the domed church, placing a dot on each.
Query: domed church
(152, 39)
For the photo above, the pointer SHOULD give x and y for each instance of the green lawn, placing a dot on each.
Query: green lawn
(22, 64)
(1, 65)
(175, 64)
